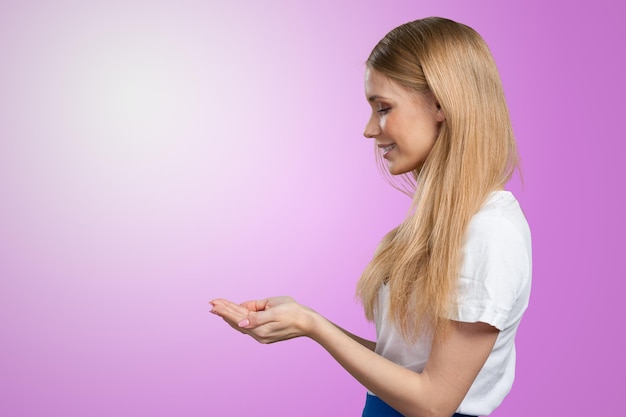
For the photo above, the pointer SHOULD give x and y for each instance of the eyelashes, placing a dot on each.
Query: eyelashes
(384, 110)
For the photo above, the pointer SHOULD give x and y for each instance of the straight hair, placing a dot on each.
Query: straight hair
(474, 154)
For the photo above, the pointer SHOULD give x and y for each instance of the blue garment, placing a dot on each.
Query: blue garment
(375, 407)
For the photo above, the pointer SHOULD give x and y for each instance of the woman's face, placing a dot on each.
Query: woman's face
(404, 123)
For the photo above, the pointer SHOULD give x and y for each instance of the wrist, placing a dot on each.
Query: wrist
(315, 325)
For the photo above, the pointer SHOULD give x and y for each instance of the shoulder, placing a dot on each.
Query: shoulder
(498, 233)
(499, 221)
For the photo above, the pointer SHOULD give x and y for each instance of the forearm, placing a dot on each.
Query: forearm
(435, 392)
(411, 393)
(364, 342)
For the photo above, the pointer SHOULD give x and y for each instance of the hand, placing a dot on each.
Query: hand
(267, 321)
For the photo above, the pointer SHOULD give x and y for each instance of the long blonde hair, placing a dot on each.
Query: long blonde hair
(474, 154)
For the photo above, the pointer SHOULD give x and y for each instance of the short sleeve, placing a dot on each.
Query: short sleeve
(495, 270)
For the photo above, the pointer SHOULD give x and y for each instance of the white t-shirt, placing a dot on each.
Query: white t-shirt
(494, 288)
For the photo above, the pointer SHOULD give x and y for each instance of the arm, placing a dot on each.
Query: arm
(364, 342)
(437, 391)
(234, 314)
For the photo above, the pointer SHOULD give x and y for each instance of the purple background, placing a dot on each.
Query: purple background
(156, 155)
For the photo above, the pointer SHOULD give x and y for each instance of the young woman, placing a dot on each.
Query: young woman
(447, 288)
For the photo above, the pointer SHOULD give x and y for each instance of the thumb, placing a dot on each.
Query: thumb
(255, 319)
(245, 323)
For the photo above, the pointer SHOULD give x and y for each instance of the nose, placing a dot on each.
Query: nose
(372, 129)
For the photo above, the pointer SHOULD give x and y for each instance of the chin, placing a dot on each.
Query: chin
(399, 170)
(396, 173)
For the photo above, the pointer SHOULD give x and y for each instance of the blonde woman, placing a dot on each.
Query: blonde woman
(448, 287)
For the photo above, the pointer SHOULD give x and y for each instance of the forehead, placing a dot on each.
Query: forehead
(378, 86)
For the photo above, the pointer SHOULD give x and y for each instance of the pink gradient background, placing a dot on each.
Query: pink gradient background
(156, 155)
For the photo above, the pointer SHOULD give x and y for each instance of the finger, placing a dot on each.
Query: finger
(230, 311)
(225, 304)
(256, 305)
(220, 302)
(257, 319)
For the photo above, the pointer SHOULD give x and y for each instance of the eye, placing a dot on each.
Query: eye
(383, 110)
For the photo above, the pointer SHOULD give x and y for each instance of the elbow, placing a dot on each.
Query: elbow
(441, 409)
(430, 413)
(442, 413)
(432, 409)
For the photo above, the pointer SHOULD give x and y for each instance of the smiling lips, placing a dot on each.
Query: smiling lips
(387, 148)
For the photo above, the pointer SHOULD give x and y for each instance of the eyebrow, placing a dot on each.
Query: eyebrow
(376, 97)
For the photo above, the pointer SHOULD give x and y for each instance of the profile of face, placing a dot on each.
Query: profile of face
(404, 123)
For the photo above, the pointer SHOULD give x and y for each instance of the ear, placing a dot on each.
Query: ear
(440, 116)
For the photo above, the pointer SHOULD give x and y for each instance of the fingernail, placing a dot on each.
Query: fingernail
(244, 323)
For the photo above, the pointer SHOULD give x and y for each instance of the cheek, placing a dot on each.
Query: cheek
(382, 122)
(393, 126)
